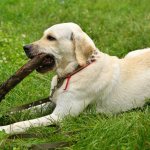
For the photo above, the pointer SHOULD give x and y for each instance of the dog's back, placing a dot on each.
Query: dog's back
(132, 86)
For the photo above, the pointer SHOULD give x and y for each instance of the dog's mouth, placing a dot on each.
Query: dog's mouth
(47, 65)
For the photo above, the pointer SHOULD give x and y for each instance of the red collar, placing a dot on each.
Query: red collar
(68, 77)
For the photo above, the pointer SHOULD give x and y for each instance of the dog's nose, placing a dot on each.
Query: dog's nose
(27, 48)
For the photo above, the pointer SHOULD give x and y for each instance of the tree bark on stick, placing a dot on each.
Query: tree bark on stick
(24, 71)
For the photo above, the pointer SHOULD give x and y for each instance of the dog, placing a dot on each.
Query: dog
(89, 76)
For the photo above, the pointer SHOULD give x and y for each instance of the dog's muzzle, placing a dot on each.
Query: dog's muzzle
(47, 65)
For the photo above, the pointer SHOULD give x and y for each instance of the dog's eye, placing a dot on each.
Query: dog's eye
(50, 38)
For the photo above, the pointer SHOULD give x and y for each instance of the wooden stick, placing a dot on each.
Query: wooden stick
(24, 71)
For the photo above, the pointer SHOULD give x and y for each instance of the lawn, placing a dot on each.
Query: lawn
(116, 26)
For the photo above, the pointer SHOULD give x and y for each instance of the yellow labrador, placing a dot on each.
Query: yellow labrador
(115, 85)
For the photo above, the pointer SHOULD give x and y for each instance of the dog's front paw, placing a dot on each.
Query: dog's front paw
(3, 128)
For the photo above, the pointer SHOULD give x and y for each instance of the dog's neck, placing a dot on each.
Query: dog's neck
(72, 66)
(62, 70)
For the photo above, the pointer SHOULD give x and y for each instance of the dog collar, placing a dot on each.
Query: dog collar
(79, 68)
(60, 81)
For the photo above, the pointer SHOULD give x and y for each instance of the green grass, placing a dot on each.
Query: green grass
(116, 26)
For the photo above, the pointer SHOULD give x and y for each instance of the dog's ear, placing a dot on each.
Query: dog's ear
(83, 46)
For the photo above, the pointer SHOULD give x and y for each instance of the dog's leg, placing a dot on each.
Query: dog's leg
(65, 106)
(22, 126)
(53, 83)
(41, 108)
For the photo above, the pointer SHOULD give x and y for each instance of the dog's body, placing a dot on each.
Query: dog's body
(115, 85)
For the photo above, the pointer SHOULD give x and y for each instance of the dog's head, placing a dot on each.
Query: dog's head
(65, 43)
